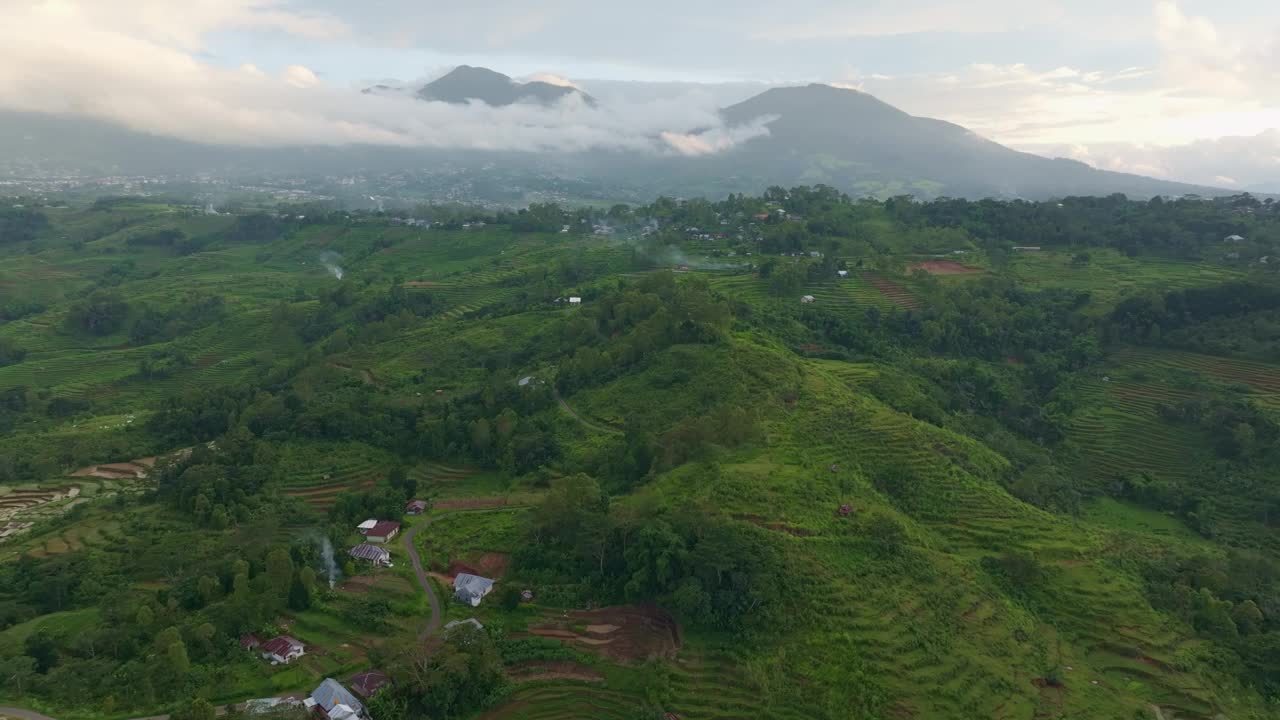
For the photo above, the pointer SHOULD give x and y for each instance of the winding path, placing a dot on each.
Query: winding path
(406, 541)
(574, 413)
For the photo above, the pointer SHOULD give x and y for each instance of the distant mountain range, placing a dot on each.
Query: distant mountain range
(816, 134)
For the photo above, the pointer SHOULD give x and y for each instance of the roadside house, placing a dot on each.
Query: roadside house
(415, 507)
(283, 649)
(379, 556)
(333, 702)
(471, 589)
(368, 683)
(383, 532)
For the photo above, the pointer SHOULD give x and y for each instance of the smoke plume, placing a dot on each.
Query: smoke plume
(326, 552)
(330, 261)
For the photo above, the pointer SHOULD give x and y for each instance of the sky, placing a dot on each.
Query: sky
(1183, 89)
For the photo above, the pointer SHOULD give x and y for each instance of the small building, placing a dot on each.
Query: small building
(842, 273)
(415, 507)
(249, 641)
(283, 649)
(383, 532)
(524, 381)
(469, 621)
(808, 299)
(471, 589)
(333, 702)
(1026, 248)
(364, 527)
(1233, 239)
(379, 556)
(575, 300)
(368, 683)
(526, 595)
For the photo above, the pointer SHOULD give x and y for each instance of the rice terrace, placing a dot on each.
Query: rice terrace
(783, 456)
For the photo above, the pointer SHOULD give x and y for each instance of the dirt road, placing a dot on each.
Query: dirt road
(406, 540)
(574, 413)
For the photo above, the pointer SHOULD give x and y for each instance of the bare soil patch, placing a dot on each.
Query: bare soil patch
(627, 634)
(943, 267)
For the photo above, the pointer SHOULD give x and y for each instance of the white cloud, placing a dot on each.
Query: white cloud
(138, 70)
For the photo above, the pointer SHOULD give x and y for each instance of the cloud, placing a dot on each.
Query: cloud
(709, 142)
(1249, 162)
(136, 64)
(552, 79)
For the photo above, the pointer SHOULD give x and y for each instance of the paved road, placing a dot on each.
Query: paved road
(20, 714)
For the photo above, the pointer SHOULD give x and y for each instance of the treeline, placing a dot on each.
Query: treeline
(19, 225)
(1151, 316)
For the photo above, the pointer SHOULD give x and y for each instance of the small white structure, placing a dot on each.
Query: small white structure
(1233, 239)
(471, 589)
(808, 299)
(469, 621)
(364, 527)
(575, 300)
(524, 381)
(842, 273)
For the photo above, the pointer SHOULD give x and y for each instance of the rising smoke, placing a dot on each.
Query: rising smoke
(330, 261)
(326, 552)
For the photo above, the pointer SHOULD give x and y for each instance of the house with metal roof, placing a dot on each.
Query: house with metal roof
(283, 649)
(471, 589)
(379, 556)
(334, 702)
(383, 532)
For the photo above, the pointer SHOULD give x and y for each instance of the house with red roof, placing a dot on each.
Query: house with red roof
(283, 649)
(383, 532)
(369, 682)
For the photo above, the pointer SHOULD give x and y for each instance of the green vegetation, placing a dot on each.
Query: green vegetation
(967, 479)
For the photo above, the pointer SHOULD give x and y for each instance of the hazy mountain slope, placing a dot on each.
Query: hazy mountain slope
(850, 139)
(467, 83)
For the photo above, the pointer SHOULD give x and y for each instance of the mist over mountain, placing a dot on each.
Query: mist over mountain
(465, 83)
(783, 136)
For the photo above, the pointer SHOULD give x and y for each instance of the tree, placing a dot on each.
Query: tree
(196, 709)
(299, 595)
(886, 535)
(279, 572)
(41, 648)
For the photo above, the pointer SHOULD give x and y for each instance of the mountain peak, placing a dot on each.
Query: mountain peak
(466, 83)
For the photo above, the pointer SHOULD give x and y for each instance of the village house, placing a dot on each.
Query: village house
(380, 557)
(249, 641)
(368, 683)
(383, 532)
(575, 300)
(1026, 248)
(471, 589)
(331, 701)
(1233, 239)
(807, 299)
(842, 273)
(415, 507)
(282, 649)
(364, 527)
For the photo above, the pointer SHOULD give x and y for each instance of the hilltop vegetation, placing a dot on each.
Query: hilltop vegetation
(789, 456)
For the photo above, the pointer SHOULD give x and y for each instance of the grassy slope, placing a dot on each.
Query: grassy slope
(932, 630)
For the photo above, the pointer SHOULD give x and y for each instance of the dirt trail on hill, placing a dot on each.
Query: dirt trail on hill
(574, 413)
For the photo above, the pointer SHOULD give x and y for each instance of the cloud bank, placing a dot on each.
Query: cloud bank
(140, 64)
